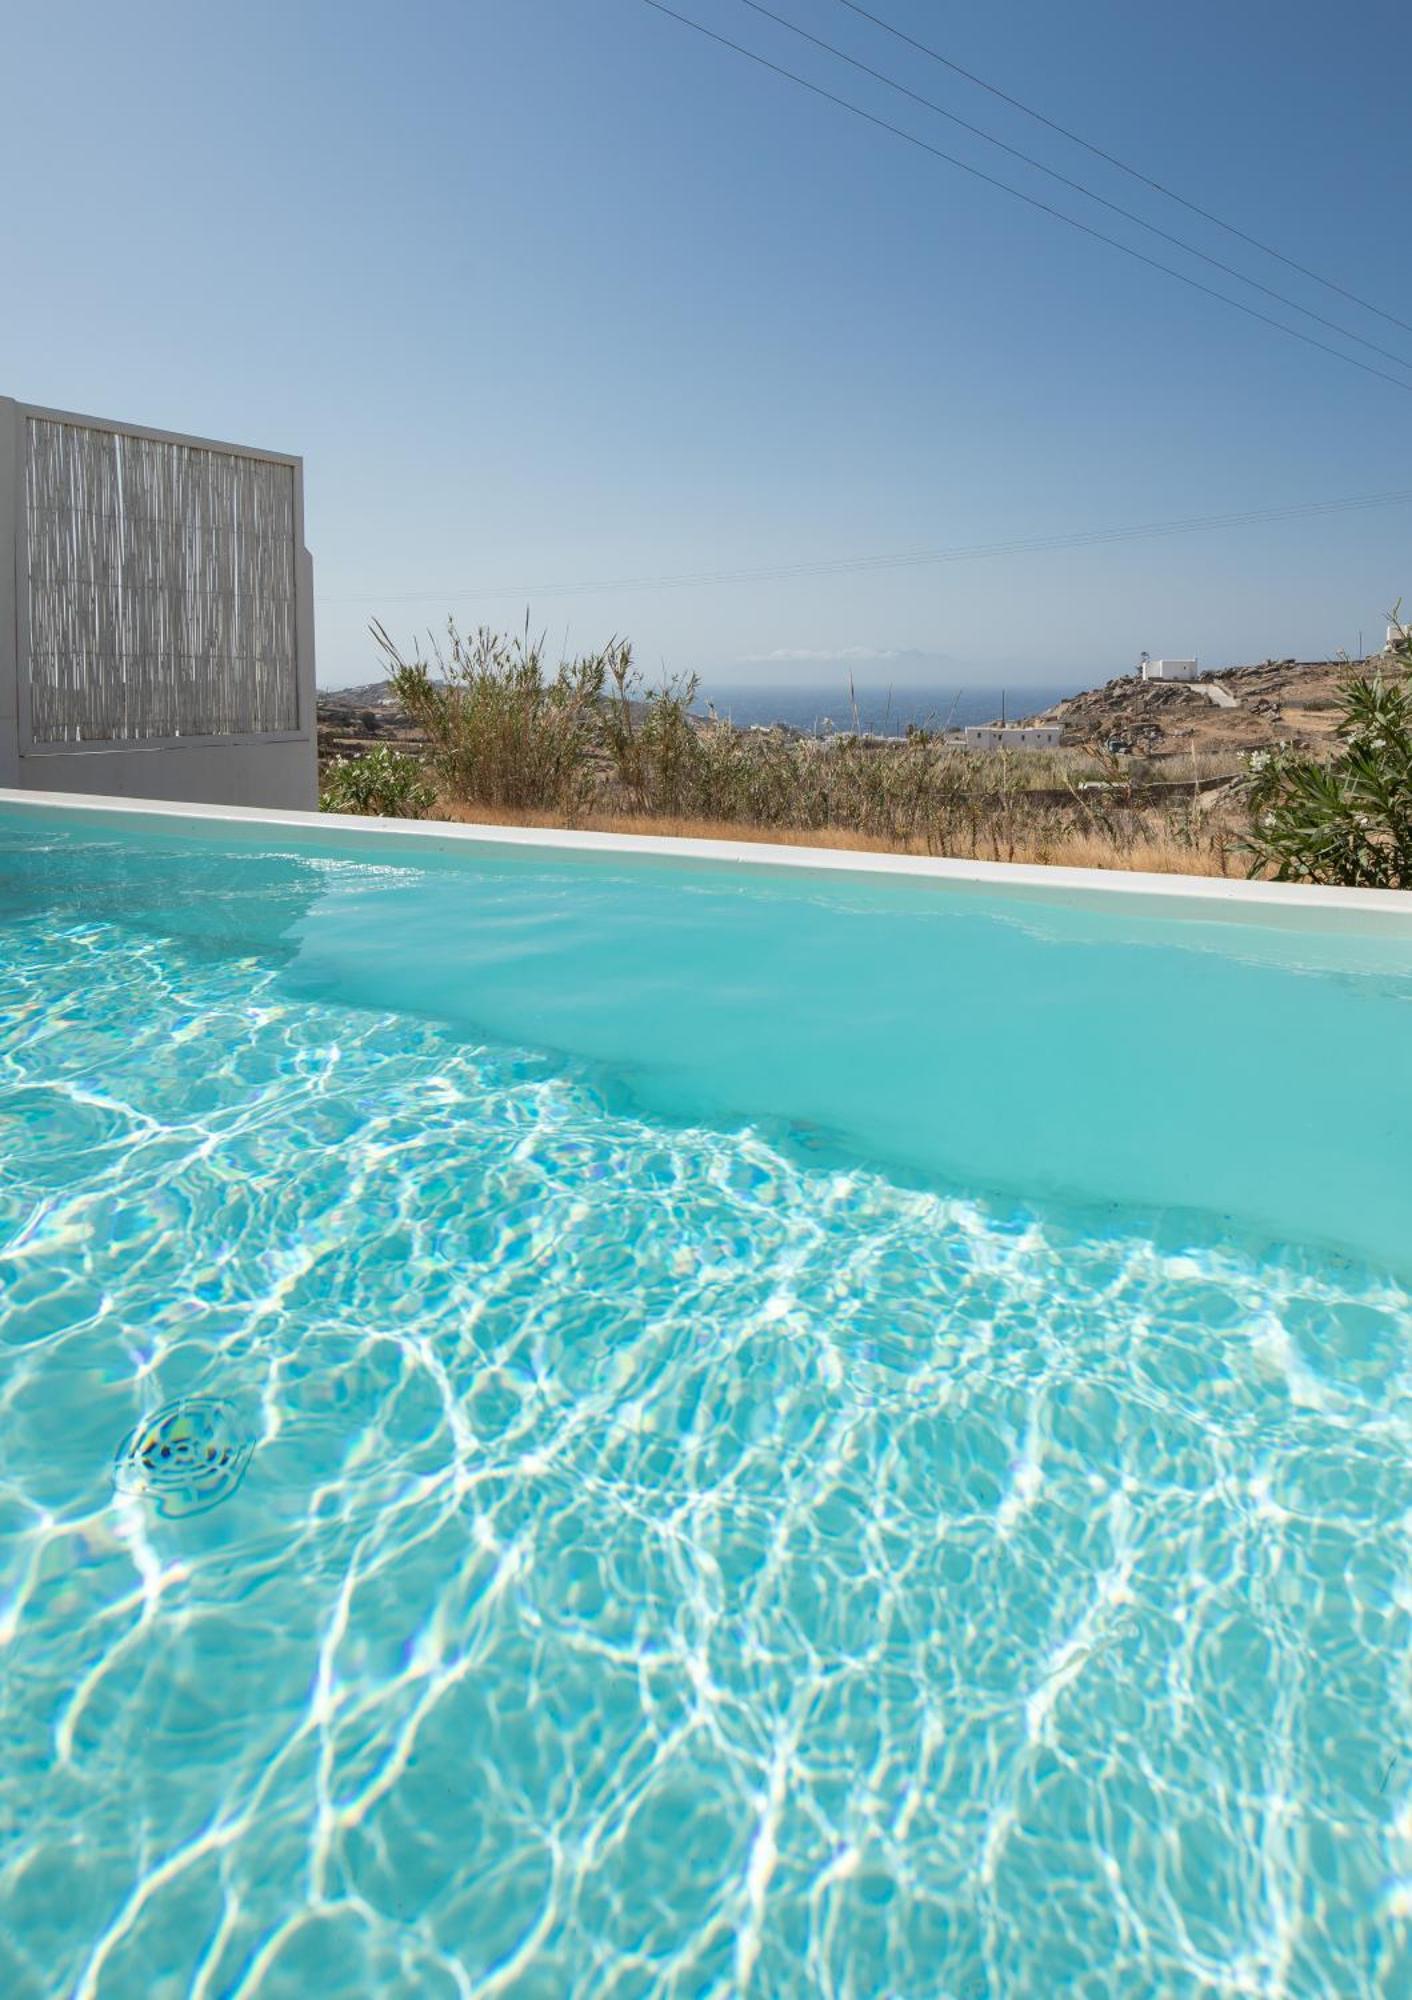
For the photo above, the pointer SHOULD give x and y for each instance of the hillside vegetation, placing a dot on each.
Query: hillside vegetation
(1163, 776)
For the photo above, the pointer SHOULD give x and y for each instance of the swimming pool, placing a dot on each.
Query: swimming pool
(739, 1427)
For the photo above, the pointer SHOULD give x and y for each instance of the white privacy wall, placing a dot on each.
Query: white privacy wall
(156, 624)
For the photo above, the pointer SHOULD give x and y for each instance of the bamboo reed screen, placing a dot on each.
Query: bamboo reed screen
(161, 588)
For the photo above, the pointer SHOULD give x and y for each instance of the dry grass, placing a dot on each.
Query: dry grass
(510, 741)
(1160, 852)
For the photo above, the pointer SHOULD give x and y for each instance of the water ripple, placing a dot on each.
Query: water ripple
(673, 1563)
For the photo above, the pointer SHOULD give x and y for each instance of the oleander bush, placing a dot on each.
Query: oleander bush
(1346, 821)
(384, 782)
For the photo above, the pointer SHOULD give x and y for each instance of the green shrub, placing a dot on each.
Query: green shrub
(385, 782)
(1347, 821)
(503, 731)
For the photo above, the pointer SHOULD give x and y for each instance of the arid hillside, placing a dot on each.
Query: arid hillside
(1234, 711)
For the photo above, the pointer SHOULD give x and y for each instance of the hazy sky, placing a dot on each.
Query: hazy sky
(554, 292)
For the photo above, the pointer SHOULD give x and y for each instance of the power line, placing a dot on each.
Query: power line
(1135, 173)
(916, 558)
(1030, 200)
(1078, 187)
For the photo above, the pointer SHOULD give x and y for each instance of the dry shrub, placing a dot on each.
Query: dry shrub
(587, 744)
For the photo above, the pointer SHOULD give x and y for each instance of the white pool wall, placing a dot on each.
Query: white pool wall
(1211, 897)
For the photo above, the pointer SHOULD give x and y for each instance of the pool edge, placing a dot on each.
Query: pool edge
(1221, 895)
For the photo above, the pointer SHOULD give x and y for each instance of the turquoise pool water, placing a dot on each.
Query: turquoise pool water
(800, 1434)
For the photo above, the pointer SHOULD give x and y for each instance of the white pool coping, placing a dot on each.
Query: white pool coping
(1221, 895)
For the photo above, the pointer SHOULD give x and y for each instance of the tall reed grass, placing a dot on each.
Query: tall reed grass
(586, 742)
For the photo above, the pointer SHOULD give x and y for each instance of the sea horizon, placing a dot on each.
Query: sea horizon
(824, 706)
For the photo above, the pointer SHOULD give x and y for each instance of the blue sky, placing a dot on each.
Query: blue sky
(552, 292)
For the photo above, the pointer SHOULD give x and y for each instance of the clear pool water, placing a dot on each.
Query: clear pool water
(807, 1435)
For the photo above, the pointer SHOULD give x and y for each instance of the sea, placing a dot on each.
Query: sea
(879, 711)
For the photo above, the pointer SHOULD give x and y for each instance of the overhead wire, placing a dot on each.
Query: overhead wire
(1019, 194)
(855, 565)
(1077, 187)
(1123, 166)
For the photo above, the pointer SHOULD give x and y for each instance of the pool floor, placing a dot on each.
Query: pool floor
(666, 1563)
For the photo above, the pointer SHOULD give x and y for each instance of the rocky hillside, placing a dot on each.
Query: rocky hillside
(352, 720)
(1237, 710)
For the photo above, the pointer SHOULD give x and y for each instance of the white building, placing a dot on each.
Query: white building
(1169, 670)
(1014, 736)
